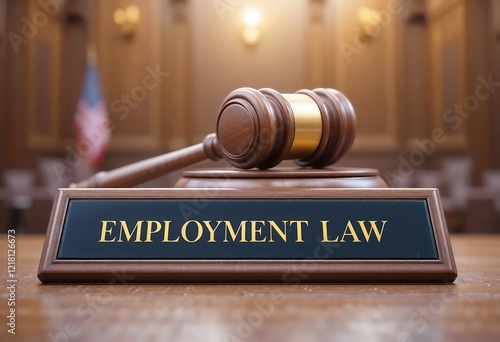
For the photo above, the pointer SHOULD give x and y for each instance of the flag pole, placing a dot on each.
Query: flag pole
(91, 120)
(91, 54)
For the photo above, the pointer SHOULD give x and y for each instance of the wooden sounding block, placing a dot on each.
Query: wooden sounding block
(253, 222)
(278, 178)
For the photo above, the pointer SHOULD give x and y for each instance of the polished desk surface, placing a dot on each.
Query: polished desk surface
(468, 310)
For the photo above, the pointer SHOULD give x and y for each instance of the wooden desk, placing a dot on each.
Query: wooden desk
(468, 310)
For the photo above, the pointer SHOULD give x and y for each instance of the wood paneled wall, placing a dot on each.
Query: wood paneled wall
(128, 68)
(372, 68)
(3, 69)
(494, 37)
(464, 102)
(373, 91)
(447, 69)
(222, 62)
(163, 86)
(14, 86)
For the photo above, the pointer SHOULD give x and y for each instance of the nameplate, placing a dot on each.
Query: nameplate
(222, 235)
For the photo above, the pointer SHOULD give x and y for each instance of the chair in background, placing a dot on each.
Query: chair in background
(457, 180)
(428, 179)
(480, 214)
(491, 180)
(55, 174)
(483, 205)
(18, 188)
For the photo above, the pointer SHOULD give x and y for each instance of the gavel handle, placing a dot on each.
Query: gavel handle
(145, 170)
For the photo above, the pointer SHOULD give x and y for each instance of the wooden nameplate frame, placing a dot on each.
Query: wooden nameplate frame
(223, 235)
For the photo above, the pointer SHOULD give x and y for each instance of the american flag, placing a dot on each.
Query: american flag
(91, 120)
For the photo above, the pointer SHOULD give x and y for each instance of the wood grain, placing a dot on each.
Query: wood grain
(467, 310)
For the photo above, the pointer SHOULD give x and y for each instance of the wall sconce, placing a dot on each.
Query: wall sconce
(127, 18)
(369, 21)
(251, 29)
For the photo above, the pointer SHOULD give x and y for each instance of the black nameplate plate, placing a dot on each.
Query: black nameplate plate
(289, 236)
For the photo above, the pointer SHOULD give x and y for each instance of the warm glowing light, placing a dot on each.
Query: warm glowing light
(251, 17)
(127, 18)
(251, 35)
(132, 13)
(119, 17)
(367, 15)
(251, 30)
(369, 21)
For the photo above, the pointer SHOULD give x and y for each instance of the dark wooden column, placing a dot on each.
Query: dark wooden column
(15, 82)
(3, 81)
(480, 139)
(494, 36)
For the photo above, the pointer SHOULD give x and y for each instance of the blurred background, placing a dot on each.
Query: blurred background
(423, 76)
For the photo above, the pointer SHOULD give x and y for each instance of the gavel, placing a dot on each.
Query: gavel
(257, 129)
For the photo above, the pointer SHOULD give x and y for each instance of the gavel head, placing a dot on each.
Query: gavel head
(261, 128)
